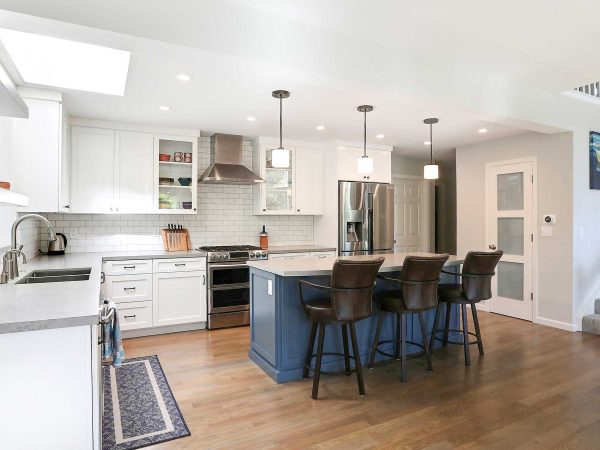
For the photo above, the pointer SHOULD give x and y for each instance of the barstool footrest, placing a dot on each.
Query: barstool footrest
(410, 355)
(455, 342)
(312, 369)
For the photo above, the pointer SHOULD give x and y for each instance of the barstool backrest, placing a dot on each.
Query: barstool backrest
(359, 277)
(478, 270)
(420, 278)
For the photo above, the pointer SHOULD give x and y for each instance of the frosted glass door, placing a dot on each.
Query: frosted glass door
(509, 202)
(279, 185)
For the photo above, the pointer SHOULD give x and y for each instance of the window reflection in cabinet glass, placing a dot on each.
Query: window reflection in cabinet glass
(278, 186)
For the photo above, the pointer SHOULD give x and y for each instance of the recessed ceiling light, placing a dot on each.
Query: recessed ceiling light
(164, 108)
(67, 64)
(183, 77)
(380, 136)
(427, 143)
(482, 130)
(251, 119)
(320, 127)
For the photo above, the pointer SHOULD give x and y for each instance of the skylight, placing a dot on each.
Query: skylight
(50, 61)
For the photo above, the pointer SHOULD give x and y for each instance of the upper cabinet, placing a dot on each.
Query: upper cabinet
(295, 190)
(40, 155)
(347, 165)
(125, 171)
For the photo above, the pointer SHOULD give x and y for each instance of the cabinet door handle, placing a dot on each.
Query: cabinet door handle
(129, 289)
(66, 206)
(179, 264)
(128, 267)
(132, 316)
(264, 209)
(203, 280)
(298, 210)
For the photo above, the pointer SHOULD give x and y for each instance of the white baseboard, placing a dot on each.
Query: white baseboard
(555, 324)
(163, 330)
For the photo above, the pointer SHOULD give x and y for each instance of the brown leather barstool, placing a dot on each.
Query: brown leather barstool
(417, 292)
(349, 300)
(478, 270)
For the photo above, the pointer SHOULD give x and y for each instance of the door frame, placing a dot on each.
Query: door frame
(534, 225)
(429, 199)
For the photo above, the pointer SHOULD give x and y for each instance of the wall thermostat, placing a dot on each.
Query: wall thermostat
(549, 219)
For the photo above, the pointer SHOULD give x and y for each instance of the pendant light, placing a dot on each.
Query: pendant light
(364, 164)
(280, 157)
(431, 170)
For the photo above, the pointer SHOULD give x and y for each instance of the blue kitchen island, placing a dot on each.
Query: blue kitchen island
(279, 329)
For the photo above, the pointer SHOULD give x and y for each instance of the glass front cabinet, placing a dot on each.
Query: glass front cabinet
(176, 174)
(294, 190)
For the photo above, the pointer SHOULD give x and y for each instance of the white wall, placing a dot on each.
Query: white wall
(554, 155)
(224, 217)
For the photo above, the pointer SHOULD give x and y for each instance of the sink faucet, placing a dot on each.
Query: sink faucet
(10, 266)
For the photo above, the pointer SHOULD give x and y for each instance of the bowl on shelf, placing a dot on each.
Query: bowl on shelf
(184, 181)
(164, 204)
(164, 157)
(186, 205)
(166, 180)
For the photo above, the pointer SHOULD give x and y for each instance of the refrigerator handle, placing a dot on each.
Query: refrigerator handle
(370, 241)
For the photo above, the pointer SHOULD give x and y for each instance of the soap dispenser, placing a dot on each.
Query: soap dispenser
(264, 239)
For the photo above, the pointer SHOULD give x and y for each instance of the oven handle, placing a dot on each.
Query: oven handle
(226, 287)
(227, 266)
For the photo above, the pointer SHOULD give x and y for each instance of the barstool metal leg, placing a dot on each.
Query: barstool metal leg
(397, 343)
(376, 340)
(309, 352)
(357, 363)
(434, 331)
(425, 343)
(403, 347)
(465, 330)
(316, 376)
(346, 352)
(447, 325)
(477, 330)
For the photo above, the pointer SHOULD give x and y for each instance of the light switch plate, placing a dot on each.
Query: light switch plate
(546, 231)
(270, 287)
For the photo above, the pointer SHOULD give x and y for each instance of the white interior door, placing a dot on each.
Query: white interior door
(411, 215)
(509, 205)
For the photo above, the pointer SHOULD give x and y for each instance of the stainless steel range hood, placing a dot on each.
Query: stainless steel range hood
(226, 162)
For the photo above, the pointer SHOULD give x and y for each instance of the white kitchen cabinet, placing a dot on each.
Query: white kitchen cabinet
(179, 297)
(92, 170)
(40, 156)
(179, 265)
(134, 171)
(295, 190)
(321, 255)
(289, 255)
(128, 288)
(112, 171)
(127, 267)
(347, 165)
(135, 315)
(47, 388)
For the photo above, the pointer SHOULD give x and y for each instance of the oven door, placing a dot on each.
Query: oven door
(228, 275)
(229, 299)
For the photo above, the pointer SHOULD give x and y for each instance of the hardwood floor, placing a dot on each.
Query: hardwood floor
(535, 388)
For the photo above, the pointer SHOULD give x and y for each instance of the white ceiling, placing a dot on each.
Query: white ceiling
(411, 60)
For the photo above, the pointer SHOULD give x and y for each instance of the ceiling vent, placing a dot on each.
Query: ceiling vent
(592, 89)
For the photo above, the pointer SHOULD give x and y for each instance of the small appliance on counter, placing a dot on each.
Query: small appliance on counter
(57, 246)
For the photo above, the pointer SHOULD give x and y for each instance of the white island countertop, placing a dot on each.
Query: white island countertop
(310, 267)
(28, 307)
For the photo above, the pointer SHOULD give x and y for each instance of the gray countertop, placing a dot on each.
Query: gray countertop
(318, 267)
(28, 307)
(299, 248)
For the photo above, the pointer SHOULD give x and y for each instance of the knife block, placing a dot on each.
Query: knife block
(176, 240)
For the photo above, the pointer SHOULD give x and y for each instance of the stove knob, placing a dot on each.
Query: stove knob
(219, 256)
(226, 256)
(252, 255)
(264, 254)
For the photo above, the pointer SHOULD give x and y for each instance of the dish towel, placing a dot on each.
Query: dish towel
(112, 345)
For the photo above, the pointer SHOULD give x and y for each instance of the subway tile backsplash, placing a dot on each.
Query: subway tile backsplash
(224, 217)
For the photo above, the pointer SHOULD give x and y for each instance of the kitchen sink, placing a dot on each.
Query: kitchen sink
(56, 276)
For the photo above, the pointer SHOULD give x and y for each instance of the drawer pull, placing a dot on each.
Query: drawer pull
(129, 289)
(132, 316)
(179, 264)
(128, 267)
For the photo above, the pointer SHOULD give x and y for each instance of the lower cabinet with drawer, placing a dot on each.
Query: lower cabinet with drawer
(135, 315)
(288, 255)
(321, 255)
(128, 288)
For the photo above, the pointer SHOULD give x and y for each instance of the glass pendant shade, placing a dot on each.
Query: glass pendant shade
(364, 164)
(431, 172)
(280, 158)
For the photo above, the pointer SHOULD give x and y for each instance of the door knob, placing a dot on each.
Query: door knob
(492, 247)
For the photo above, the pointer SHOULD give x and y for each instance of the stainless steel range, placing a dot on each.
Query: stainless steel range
(229, 284)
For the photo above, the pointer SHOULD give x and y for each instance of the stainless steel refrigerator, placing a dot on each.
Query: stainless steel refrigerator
(365, 218)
